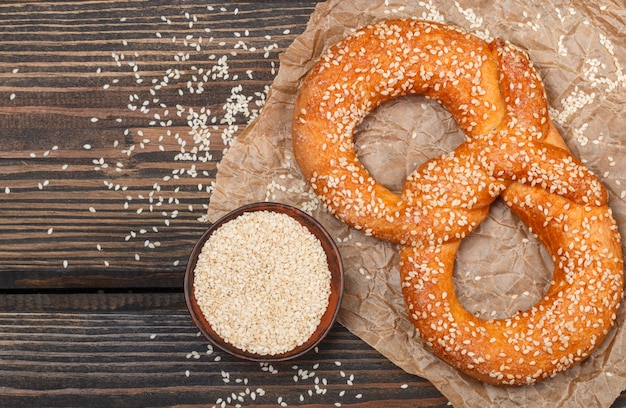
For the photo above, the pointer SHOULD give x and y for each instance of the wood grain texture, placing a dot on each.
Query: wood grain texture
(139, 359)
(113, 117)
(95, 300)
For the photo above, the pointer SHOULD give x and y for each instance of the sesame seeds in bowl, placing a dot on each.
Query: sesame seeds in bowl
(264, 282)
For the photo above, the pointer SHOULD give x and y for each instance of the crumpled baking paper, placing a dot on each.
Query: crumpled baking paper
(577, 48)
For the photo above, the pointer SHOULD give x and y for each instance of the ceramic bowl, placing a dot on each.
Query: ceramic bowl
(336, 283)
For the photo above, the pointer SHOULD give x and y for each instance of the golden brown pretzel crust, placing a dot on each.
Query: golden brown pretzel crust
(512, 150)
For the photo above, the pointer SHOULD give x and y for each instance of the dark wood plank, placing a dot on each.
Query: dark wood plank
(157, 359)
(113, 115)
(96, 300)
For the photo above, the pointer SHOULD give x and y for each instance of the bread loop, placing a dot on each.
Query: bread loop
(512, 151)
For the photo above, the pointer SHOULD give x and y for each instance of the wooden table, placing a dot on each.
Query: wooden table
(113, 118)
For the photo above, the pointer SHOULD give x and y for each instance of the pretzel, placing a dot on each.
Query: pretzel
(512, 150)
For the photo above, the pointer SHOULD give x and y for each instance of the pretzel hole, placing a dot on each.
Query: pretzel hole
(400, 135)
(501, 268)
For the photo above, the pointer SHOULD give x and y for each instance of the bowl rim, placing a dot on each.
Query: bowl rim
(337, 281)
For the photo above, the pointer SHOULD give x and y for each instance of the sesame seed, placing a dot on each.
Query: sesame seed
(275, 319)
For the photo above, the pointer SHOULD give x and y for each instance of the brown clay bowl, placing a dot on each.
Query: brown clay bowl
(334, 264)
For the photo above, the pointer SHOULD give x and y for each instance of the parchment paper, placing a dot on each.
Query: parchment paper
(578, 49)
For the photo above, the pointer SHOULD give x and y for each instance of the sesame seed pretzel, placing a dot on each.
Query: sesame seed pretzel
(512, 150)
